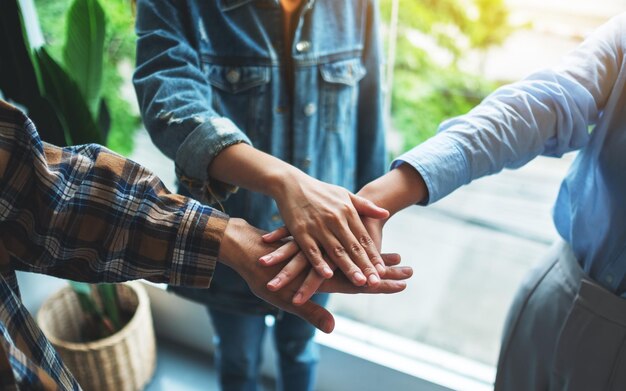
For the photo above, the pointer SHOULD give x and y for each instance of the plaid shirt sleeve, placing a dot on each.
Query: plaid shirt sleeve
(88, 214)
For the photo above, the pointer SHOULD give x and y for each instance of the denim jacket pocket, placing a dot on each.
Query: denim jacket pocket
(236, 79)
(240, 93)
(348, 72)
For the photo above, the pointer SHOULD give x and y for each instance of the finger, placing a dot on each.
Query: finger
(276, 235)
(392, 283)
(385, 287)
(368, 245)
(292, 270)
(312, 252)
(391, 259)
(365, 207)
(398, 273)
(356, 255)
(315, 314)
(338, 254)
(310, 285)
(281, 254)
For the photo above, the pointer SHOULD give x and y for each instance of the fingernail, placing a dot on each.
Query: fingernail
(407, 271)
(297, 299)
(328, 272)
(359, 277)
(274, 282)
(373, 279)
(380, 268)
(327, 326)
(265, 258)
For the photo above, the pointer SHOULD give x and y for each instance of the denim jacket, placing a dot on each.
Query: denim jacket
(211, 73)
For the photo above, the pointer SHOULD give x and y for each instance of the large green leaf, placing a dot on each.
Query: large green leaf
(84, 49)
(79, 124)
(19, 74)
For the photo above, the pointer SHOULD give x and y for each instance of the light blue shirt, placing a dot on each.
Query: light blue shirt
(579, 105)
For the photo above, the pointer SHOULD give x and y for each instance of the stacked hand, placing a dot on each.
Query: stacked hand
(298, 264)
(242, 239)
(325, 221)
(408, 188)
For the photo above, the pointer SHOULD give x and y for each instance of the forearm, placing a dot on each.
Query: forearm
(104, 218)
(396, 190)
(245, 166)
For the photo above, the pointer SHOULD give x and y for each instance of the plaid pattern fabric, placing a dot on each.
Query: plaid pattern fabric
(86, 214)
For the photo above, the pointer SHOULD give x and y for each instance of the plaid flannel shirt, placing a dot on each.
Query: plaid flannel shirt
(86, 214)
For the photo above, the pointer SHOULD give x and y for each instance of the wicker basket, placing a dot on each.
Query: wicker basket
(123, 361)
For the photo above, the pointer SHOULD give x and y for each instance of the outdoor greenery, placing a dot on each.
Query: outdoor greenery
(119, 46)
(426, 92)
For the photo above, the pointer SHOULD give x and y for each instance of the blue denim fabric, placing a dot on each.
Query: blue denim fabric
(243, 334)
(211, 74)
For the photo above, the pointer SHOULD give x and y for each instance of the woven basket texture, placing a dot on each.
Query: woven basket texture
(124, 361)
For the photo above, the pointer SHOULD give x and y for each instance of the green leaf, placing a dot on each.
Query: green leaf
(19, 75)
(108, 294)
(84, 49)
(80, 287)
(78, 123)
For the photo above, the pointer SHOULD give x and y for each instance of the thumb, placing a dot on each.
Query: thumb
(367, 208)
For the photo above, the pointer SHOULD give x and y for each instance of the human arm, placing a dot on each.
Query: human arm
(306, 204)
(88, 214)
(213, 156)
(550, 112)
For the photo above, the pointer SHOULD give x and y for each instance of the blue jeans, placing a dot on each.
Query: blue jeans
(239, 339)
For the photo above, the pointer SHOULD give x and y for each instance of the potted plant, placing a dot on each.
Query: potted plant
(103, 351)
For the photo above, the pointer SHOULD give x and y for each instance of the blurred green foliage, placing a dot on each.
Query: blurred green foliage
(425, 92)
(119, 47)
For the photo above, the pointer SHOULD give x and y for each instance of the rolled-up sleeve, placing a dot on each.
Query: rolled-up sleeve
(175, 97)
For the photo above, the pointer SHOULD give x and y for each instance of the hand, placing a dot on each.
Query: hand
(321, 217)
(325, 220)
(298, 263)
(242, 245)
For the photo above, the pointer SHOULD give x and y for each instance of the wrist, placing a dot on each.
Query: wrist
(280, 177)
(232, 241)
(396, 190)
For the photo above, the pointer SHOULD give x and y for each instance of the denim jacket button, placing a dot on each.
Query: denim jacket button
(306, 163)
(233, 76)
(275, 217)
(303, 46)
(310, 109)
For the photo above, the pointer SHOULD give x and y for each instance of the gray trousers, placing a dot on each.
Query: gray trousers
(563, 331)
